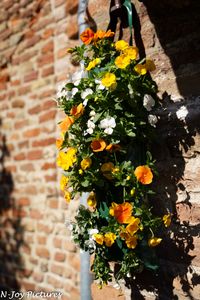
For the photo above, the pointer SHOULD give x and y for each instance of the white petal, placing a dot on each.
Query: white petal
(108, 130)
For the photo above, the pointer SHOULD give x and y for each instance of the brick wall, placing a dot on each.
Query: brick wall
(35, 248)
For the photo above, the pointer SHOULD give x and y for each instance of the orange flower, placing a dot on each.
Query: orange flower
(122, 212)
(59, 143)
(98, 145)
(100, 34)
(144, 174)
(77, 111)
(113, 147)
(87, 36)
(66, 123)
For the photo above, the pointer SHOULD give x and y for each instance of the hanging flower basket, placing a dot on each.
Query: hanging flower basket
(104, 151)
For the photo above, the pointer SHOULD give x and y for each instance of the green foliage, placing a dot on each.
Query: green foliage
(106, 137)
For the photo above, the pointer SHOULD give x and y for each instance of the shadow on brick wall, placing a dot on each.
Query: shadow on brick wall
(11, 231)
(177, 26)
(176, 144)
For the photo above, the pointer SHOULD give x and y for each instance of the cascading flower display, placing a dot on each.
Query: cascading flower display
(104, 151)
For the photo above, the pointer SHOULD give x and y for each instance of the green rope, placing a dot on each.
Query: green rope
(128, 6)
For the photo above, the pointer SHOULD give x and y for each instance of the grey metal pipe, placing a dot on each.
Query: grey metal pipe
(85, 275)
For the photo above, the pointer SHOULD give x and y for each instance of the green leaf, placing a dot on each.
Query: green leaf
(104, 210)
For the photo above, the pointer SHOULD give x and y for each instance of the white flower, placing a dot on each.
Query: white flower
(90, 130)
(100, 86)
(152, 120)
(90, 126)
(85, 102)
(148, 102)
(92, 114)
(85, 93)
(62, 92)
(108, 124)
(74, 91)
(77, 76)
(182, 113)
(92, 231)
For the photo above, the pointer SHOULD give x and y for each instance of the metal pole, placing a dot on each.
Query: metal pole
(85, 275)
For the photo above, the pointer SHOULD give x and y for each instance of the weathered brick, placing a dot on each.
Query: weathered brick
(44, 142)
(42, 239)
(35, 214)
(34, 110)
(45, 59)
(33, 75)
(48, 33)
(20, 124)
(20, 156)
(48, 71)
(57, 269)
(48, 166)
(23, 201)
(35, 154)
(42, 252)
(27, 167)
(57, 242)
(48, 47)
(60, 256)
(50, 115)
(32, 132)
(72, 6)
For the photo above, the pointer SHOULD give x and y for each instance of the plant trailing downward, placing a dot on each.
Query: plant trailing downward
(104, 150)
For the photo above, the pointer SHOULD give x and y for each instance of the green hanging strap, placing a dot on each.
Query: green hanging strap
(128, 5)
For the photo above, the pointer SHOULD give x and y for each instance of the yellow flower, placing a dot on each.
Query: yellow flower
(143, 174)
(77, 111)
(132, 191)
(93, 63)
(107, 169)
(67, 196)
(122, 61)
(86, 163)
(109, 80)
(66, 160)
(98, 238)
(131, 242)
(109, 238)
(128, 177)
(150, 66)
(167, 220)
(91, 200)
(133, 226)
(63, 182)
(121, 45)
(80, 171)
(131, 52)
(115, 170)
(153, 242)
(140, 69)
